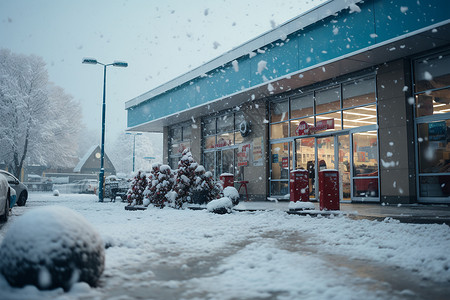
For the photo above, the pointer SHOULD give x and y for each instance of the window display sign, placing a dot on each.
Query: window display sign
(243, 155)
(304, 128)
(437, 131)
(221, 142)
(285, 162)
(258, 152)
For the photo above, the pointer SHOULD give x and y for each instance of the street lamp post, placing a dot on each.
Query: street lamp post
(122, 64)
(134, 144)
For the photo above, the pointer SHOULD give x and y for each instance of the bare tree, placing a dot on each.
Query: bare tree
(37, 118)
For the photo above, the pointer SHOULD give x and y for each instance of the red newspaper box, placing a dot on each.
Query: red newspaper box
(227, 179)
(299, 188)
(329, 189)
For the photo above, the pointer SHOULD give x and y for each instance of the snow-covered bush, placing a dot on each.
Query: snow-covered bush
(51, 247)
(55, 193)
(185, 178)
(162, 183)
(220, 206)
(204, 182)
(232, 193)
(135, 194)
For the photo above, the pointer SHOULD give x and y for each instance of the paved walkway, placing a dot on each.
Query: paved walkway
(439, 214)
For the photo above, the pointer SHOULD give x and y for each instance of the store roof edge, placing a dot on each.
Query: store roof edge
(295, 24)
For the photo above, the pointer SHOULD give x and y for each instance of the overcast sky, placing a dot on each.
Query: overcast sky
(159, 39)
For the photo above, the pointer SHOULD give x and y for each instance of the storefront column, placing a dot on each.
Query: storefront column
(396, 134)
(165, 145)
(196, 138)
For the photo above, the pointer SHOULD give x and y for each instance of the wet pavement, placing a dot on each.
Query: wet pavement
(419, 214)
(172, 281)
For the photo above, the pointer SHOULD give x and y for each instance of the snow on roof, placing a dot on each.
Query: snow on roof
(83, 160)
(307, 18)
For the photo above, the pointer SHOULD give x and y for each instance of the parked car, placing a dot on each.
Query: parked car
(20, 188)
(88, 185)
(5, 192)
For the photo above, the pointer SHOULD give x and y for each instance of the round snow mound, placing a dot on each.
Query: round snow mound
(232, 193)
(220, 206)
(51, 247)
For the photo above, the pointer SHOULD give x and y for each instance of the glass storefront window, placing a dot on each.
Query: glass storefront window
(280, 161)
(432, 73)
(359, 92)
(238, 139)
(433, 103)
(302, 106)
(279, 111)
(360, 116)
(208, 162)
(328, 100)
(239, 118)
(365, 164)
(175, 134)
(173, 163)
(225, 123)
(434, 147)
(210, 142)
(434, 186)
(228, 165)
(365, 154)
(225, 139)
(209, 126)
(279, 130)
(187, 132)
(279, 188)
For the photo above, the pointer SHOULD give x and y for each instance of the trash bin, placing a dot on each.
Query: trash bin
(329, 190)
(299, 185)
(227, 179)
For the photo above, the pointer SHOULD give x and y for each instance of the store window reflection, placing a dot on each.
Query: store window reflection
(365, 164)
(280, 165)
(434, 158)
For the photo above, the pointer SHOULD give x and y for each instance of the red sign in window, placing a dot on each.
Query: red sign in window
(304, 129)
(285, 162)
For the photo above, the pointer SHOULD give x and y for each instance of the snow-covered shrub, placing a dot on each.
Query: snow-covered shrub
(185, 178)
(51, 247)
(204, 182)
(162, 183)
(232, 193)
(135, 194)
(220, 206)
(55, 193)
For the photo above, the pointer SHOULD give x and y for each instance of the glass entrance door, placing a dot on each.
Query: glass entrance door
(330, 152)
(305, 158)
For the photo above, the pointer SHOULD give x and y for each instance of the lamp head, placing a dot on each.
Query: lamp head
(120, 64)
(91, 61)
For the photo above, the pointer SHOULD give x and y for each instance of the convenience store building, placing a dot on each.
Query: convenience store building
(362, 88)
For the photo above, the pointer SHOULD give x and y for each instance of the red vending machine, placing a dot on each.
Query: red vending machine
(329, 189)
(299, 188)
(227, 179)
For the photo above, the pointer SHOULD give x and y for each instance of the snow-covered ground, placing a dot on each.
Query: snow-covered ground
(187, 254)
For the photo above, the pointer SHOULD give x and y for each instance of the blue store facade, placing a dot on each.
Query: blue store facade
(363, 88)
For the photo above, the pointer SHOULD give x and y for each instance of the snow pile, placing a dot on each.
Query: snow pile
(232, 193)
(51, 247)
(194, 254)
(300, 205)
(220, 206)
